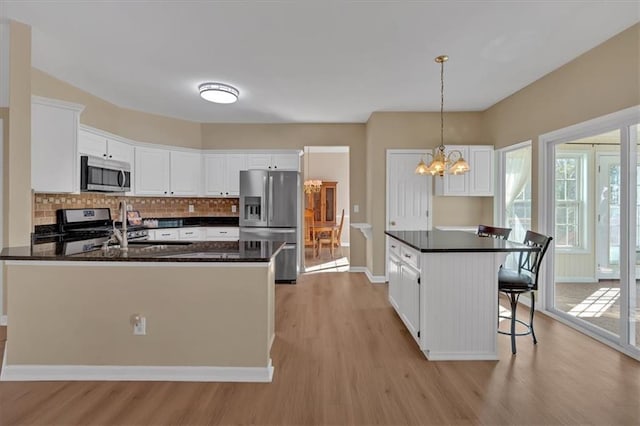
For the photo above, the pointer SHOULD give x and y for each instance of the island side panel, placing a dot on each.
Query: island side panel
(459, 303)
(70, 314)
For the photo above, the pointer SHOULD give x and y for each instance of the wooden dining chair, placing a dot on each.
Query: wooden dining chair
(310, 239)
(323, 239)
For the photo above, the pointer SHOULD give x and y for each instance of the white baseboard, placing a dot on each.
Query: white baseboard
(590, 280)
(20, 373)
(4, 320)
(375, 279)
(456, 356)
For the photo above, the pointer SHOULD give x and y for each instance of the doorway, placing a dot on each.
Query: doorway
(326, 209)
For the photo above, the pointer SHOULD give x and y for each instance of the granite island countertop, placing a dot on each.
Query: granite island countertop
(151, 251)
(455, 241)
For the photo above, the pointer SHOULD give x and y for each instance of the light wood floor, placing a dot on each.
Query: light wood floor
(342, 356)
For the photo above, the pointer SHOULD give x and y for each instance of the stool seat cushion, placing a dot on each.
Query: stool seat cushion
(508, 278)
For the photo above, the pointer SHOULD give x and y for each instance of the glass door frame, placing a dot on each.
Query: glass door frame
(622, 120)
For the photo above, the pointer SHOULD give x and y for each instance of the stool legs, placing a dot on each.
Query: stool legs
(513, 299)
(533, 308)
(513, 302)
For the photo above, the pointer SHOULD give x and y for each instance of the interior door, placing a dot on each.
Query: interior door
(408, 194)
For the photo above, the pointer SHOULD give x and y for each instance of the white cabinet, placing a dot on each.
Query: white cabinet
(222, 233)
(222, 174)
(54, 145)
(191, 234)
(393, 270)
(185, 173)
(163, 172)
(152, 174)
(164, 234)
(404, 284)
(410, 298)
(479, 181)
(91, 143)
(281, 161)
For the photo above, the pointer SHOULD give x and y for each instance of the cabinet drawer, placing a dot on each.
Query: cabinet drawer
(221, 233)
(409, 256)
(166, 234)
(193, 234)
(394, 247)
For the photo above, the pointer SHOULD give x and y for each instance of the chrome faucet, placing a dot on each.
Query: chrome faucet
(121, 235)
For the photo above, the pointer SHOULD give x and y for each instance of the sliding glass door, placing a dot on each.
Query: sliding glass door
(591, 208)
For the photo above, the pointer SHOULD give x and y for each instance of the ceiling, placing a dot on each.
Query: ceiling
(315, 61)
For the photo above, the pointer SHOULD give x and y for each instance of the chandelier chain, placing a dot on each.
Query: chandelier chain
(442, 103)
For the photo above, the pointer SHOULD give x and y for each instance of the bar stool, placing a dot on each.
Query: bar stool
(493, 231)
(513, 283)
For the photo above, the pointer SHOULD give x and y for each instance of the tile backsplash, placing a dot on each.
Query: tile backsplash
(45, 205)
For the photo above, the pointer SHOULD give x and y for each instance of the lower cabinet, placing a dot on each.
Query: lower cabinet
(164, 234)
(404, 285)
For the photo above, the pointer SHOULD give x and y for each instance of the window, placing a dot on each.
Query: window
(569, 201)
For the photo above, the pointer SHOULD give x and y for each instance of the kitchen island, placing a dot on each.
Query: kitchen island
(444, 287)
(201, 311)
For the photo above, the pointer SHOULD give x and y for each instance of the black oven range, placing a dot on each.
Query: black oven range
(81, 230)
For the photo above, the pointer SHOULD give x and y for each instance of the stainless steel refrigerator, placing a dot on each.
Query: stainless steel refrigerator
(270, 210)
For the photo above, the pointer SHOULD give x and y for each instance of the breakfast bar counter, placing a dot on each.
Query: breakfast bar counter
(200, 311)
(444, 287)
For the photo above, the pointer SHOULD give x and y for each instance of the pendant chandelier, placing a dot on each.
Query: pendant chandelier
(310, 185)
(441, 162)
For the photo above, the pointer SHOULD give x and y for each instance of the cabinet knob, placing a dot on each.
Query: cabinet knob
(275, 167)
(172, 192)
(104, 155)
(226, 193)
(165, 192)
(393, 223)
(111, 156)
(269, 166)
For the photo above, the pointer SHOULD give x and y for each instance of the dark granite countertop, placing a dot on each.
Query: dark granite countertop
(150, 251)
(455, 241)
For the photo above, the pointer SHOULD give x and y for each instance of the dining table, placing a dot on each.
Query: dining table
(330, 228)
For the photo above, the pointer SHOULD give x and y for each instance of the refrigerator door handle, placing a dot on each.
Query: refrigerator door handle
(263, 211)
(270, 198)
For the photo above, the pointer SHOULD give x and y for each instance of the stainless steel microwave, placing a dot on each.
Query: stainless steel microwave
(99, 174)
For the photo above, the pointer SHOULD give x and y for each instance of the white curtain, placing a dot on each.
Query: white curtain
(517, 174)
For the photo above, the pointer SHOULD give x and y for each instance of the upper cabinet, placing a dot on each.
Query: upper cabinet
(222, 174)
(186, 173)
(54, 145)
(281, 161)
(478, 182)
(152, 171)
(164, 172)
(98, 145)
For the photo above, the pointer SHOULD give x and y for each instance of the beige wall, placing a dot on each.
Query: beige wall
(193, 319)
(599, 82)
(386, 130)
(136, 125)
(297, 136)
(333, 167)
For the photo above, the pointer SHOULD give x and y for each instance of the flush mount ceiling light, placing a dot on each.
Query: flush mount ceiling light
(441, 162)
(219, 93)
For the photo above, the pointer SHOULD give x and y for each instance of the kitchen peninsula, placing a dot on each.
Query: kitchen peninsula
(201, 311)
(444, 287)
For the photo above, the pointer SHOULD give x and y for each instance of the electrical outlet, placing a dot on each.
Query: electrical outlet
(191, 208)
(356, 208)
(140, 326)
(234, 208)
